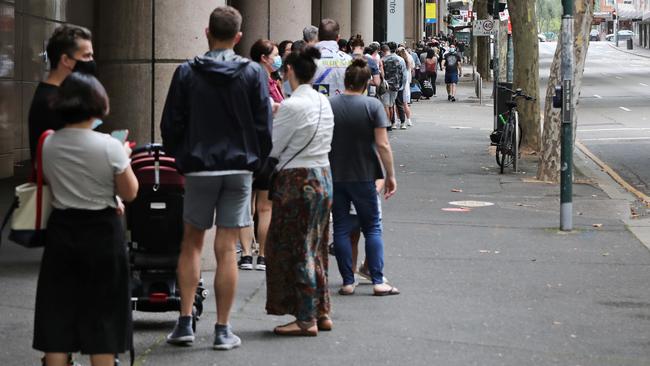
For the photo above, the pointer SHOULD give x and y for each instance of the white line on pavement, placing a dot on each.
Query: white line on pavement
(460, 127)
(615, 129)
(598, 96)
(619, 78)
(642, 84)
(617, 139)
(625, 109)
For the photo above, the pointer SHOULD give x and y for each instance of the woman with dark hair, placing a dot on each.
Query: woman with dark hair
(296, 276)
(359, 137)
(285, 48)
(85, 252)
(431, 67)
(265, 53)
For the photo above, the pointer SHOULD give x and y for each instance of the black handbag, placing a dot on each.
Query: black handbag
(274, 174)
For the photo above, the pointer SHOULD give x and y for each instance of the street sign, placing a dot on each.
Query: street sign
(484, 28)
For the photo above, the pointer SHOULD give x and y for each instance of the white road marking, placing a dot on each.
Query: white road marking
(598, 96)
(460, 127)
(489, 105)
(642, 84)
(617, 139)
(625, 109)
(619, 78)
(615, 129)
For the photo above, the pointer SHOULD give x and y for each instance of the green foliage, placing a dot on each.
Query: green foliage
(549, 15)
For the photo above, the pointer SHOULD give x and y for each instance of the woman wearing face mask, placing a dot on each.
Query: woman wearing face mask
(267, 55)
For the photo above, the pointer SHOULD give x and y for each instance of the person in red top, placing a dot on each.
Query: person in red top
(265, 53)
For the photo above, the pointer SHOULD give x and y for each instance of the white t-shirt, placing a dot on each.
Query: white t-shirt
(330, 75)
(80, 167)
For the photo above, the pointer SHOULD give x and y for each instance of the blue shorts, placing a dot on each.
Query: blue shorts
(451, 78)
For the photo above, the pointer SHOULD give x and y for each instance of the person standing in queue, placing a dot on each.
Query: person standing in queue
(296, 248)
(360, 136)
(85, 252)
(217, 124)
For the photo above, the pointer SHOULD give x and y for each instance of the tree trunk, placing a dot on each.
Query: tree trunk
(482, 44)
(526, 70)
(503, 51)
(549, 163)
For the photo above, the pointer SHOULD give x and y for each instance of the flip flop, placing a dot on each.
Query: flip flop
(342, 292)
(392, 291)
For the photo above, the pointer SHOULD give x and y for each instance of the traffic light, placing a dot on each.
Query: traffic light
(490, 5)
(614, 15)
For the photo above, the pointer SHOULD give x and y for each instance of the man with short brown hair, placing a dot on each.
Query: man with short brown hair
(217, 124)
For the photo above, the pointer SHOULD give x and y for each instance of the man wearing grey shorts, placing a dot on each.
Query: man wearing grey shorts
(217, 124)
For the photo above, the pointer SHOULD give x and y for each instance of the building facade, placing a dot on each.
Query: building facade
(139, 43)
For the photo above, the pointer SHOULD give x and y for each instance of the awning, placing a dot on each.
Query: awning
(646, 17)
(629, 12)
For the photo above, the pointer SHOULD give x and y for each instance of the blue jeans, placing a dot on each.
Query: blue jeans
(364, 197)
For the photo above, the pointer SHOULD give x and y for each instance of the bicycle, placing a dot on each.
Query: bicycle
(508, 140)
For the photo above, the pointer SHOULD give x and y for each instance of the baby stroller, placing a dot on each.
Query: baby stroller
(155, 227)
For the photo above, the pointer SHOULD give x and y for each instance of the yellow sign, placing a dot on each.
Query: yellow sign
(431, 11)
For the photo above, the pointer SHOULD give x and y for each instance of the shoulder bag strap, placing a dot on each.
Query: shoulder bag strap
(39, 178)
(320, 114)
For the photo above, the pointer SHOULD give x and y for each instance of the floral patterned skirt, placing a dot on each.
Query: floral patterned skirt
(296, 246)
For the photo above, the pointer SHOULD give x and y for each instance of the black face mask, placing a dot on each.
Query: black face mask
(85, 67)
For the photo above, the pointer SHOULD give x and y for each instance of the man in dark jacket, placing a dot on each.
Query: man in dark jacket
(217, 124)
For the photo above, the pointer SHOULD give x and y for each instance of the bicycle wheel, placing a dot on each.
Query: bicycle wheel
(516, 142)
(505, 147)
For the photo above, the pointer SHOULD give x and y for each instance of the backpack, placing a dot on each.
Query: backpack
(431, 65)
(393, 72)
(427, 89)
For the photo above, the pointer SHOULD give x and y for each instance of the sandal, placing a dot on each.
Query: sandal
(392, 291)
(304, 329)
(344, 292)
(325, 323)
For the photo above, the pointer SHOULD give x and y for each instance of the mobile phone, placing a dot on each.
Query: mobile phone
(120, 135)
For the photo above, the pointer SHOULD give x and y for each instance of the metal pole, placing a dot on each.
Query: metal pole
(616, 23)
(495, 64)
(566, 168)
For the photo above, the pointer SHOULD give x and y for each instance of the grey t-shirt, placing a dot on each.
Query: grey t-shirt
(80, 167)
(353, 157)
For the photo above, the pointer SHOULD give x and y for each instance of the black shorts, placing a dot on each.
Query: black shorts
(83, 302)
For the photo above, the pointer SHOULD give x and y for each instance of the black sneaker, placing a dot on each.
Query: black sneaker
(453, 99)
(246, 262)
(182, 335)
(224, 338)
(261, 264)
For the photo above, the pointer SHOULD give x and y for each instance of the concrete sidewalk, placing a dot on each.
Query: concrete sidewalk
(497, 285)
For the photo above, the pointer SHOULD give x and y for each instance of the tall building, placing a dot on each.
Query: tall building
(139, 43)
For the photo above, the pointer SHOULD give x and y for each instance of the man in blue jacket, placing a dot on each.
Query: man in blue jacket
(217, 124)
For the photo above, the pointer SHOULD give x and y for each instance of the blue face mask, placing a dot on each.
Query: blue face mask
(277, 63)
(96, 123)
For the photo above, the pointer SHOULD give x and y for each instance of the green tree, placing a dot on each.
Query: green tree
(549, 13)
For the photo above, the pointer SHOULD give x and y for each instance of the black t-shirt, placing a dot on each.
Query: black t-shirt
(41, 115)
(451, 63)
(353, 157)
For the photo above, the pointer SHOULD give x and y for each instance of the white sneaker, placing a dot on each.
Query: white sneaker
(409, 123)
(402, 126)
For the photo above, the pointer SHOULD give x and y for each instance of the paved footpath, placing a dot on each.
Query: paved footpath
(497, 285)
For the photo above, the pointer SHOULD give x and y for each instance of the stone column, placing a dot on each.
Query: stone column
(133, 75)
(363, 19)
(341, 11)
(288, 18)
(284, 19)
